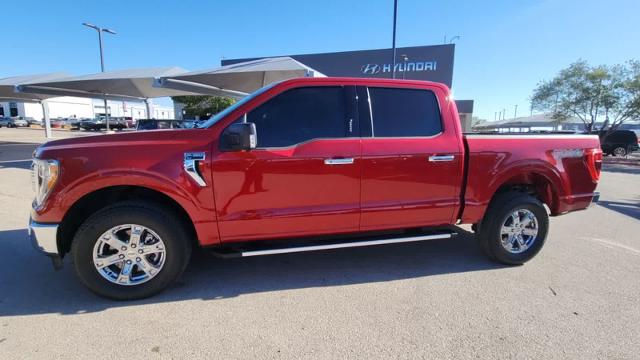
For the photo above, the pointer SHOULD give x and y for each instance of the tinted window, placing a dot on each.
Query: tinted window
(404, 112)
(299, 115)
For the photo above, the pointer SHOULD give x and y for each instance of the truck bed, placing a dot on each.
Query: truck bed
(556, 165)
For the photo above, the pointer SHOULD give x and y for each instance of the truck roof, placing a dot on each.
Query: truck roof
(363, 81)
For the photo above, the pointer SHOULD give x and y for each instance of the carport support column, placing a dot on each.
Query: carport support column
(47, 121)
(148, 105)
(106, 113)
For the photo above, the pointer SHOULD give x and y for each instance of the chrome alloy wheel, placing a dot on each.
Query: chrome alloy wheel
(129, 254)
(519, 231)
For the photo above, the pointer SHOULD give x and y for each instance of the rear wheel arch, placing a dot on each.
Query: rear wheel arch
(540, 181)
(532, 184)
(99, 199)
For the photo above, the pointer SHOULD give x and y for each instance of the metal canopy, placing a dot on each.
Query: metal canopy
(239, 79)
(8, 93)
(118, 85)
(8, 84)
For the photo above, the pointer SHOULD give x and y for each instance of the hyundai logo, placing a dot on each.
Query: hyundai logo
(414, 66)
(370, 69)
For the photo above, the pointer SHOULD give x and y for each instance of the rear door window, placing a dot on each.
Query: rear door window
(404, 112)
(300, 115)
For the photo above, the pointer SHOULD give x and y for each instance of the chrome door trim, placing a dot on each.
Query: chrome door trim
(190, 166)
(441, 158)
(344, 161)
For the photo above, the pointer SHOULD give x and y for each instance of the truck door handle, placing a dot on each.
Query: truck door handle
(441, 158)
(338, 161)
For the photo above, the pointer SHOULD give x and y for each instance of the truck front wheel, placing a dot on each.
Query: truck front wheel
(130, 250)
(514, 228)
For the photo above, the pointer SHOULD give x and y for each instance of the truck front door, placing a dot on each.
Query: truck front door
(304, 176)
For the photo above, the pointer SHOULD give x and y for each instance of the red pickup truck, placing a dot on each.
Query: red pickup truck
(304, 164)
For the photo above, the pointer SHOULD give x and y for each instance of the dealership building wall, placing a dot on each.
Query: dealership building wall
(427, 63)
(75, 107)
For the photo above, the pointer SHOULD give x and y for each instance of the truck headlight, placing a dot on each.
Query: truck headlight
(44, 174)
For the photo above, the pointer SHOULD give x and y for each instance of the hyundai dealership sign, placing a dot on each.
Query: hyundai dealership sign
(431, 63)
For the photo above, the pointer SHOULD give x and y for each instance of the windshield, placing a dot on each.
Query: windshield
(236, 105)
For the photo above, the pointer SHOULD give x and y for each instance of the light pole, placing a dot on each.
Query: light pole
(395, 16)
(100, 30)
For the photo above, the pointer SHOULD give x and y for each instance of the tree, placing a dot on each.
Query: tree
(203, 106)
(610, 94)
(476, 121)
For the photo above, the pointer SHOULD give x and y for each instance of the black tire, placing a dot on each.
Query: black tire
(619, 151)
(490, 228)
(173, 233)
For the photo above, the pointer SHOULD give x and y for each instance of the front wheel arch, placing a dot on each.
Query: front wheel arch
(176, 250)
(94, 201)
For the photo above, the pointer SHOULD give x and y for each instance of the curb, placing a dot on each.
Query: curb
(628, 162)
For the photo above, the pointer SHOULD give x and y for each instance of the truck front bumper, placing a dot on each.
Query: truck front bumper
(44, 238)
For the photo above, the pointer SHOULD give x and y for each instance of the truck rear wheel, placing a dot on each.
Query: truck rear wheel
(130, 250)
(514, 228)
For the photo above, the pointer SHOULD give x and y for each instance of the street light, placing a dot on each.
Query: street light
(100, 31)
(395, 17)
(457, 37)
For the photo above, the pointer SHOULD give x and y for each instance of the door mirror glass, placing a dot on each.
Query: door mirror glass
(239, 137)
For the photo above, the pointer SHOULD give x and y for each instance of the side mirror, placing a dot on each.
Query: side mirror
(238, 137)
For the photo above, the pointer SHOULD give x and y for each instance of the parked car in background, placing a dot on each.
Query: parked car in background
(619, 142)
(74, 123)
(101, 124)
(33, 121)
(153, 124)
(131, 122)
(4, 121)
(18, 122)
(305, 164)
(58, 123)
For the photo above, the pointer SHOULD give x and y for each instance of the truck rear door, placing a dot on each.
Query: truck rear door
(412, 163)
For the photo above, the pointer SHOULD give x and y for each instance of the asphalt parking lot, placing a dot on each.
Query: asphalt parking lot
(579, 298)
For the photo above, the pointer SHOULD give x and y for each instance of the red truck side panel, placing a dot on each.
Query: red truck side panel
(555, 163)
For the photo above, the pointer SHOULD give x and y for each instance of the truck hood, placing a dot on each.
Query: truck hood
(119, 142)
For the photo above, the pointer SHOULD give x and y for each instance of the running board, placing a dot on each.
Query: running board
(288, 248)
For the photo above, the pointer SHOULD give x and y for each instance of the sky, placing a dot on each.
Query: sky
(505, 47)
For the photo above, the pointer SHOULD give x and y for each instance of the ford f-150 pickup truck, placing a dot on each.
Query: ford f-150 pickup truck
(304, 164)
